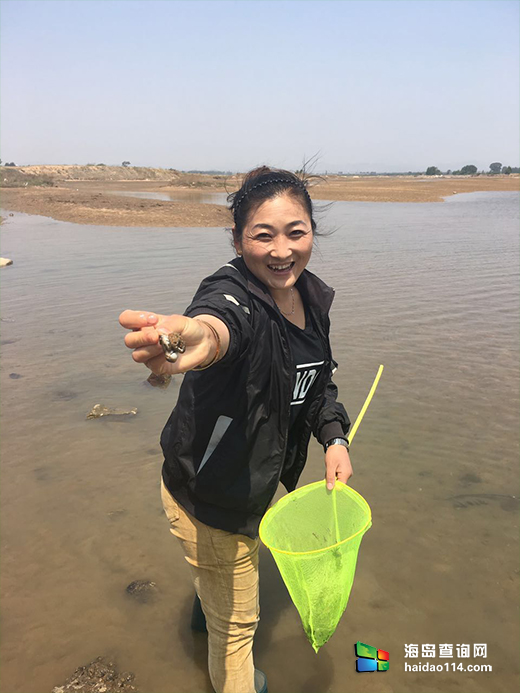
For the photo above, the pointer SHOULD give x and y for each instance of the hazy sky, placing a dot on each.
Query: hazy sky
(371, 85)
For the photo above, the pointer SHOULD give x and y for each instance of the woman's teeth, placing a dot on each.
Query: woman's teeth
(281, 268)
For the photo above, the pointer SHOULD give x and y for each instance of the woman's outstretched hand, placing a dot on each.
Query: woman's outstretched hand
(144, 340)
(338, 466)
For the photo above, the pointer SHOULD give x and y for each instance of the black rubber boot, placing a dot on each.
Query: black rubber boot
(198, 620)
(260, 681)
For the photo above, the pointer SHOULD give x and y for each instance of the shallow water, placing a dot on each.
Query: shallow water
(428, 290)
(193, 196)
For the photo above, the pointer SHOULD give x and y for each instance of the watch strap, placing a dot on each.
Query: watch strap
(337, 441)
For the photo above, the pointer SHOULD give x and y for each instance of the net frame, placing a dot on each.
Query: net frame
(279, 505)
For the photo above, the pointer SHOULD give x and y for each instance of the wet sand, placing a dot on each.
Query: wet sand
(94, 202)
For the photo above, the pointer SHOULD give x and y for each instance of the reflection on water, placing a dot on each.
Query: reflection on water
(429, 290)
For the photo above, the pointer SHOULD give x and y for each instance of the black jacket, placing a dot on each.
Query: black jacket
(226, 444)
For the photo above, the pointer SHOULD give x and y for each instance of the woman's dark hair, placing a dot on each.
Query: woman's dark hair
(265, 183)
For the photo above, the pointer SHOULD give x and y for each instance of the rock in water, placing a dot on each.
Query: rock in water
(5, 261)
(100, 676)
(64, 395)
(99, 410)
(161, 381)
(143, 590)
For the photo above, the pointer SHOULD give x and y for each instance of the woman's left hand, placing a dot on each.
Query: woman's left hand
(337, 463)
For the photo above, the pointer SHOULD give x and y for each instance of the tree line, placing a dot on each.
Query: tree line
(471, 170)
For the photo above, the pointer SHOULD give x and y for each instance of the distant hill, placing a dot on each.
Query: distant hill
(25, 176)
(91, 172)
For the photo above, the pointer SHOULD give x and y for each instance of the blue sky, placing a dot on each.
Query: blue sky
(370, 85)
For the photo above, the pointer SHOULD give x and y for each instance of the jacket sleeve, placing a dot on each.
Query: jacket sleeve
(229, 301)
(332, 420)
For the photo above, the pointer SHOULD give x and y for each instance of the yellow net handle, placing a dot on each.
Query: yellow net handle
(365, 406)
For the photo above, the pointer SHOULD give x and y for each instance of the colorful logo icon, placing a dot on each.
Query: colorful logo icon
(370, 658)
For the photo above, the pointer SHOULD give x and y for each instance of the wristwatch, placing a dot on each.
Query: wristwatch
(336, 441)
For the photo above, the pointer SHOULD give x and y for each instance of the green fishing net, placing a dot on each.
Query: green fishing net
(314, 536)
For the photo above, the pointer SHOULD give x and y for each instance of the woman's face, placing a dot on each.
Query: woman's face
(277, 234)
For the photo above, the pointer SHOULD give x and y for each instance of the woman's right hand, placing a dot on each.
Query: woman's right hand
(144, 340)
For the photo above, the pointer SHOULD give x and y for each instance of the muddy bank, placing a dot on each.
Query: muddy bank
(91, 206)
(408, 188)
(94, 201)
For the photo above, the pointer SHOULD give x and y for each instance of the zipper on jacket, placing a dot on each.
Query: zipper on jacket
(291, 390)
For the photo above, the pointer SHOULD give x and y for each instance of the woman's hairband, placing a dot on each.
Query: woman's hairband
(298, 184)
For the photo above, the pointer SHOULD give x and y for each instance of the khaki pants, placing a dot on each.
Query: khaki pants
(225, 573)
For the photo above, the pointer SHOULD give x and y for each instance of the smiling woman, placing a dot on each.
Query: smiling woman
(274, 232)
(278, 252)
(259, 329)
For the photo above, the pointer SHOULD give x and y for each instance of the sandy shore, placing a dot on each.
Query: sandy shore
(89, 205)
(408, 188)
(93, 202)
